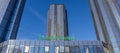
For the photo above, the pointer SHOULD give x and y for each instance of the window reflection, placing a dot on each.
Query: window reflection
(31, 49)
(87, 50)
(11, 49)
(82, 49)
(37, 49)
(72, 49)
(56, 49)
(77, 49)
(66, 49)
(27, 49)
(46, 49)
(61, 49)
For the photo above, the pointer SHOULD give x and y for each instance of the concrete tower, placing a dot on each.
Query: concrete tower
(57, 21)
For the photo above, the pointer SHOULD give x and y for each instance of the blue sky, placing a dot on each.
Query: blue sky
(34, 19)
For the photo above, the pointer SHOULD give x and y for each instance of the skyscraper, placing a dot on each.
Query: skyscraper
(10, 16)
(57, 21)
(106, 17)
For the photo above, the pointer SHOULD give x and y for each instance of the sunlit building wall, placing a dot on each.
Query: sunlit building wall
(10, 16)
(106, 17)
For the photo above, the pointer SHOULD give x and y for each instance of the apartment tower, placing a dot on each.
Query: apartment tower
(57, 21)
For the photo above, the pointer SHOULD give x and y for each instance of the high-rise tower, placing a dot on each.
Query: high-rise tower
(10, 16)
(106, 17)
(57, 21)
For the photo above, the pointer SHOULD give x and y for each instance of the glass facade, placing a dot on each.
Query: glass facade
(28, 46)
(10, 16)
(106, 18)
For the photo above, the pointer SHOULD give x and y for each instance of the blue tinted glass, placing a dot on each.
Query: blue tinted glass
(72, 49)
(1, 29)
(31, 49)
(4, 22)
(77, 49)
(82, 49)
(36, 49)
(52, 49)
(21, 49)
(42, 50)
(91, 49)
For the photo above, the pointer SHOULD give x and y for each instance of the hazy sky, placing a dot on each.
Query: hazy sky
(34, 19)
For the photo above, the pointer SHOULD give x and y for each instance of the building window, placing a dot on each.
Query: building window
(27, 49)
(61, 49)
(87, 50)
(66, 49)
(46, 49)
(57, 49)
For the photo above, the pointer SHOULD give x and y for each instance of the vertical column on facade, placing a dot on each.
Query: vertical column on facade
(34, 46)
(79, 46)
(43, 44)
(69, 45)
(54, 46)
(48, 44)
(38, 46)
(94, 47)
(19, 46)
(58, 47)
(74, 46)
(14, 46)
(29, 46)
(24, 46)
